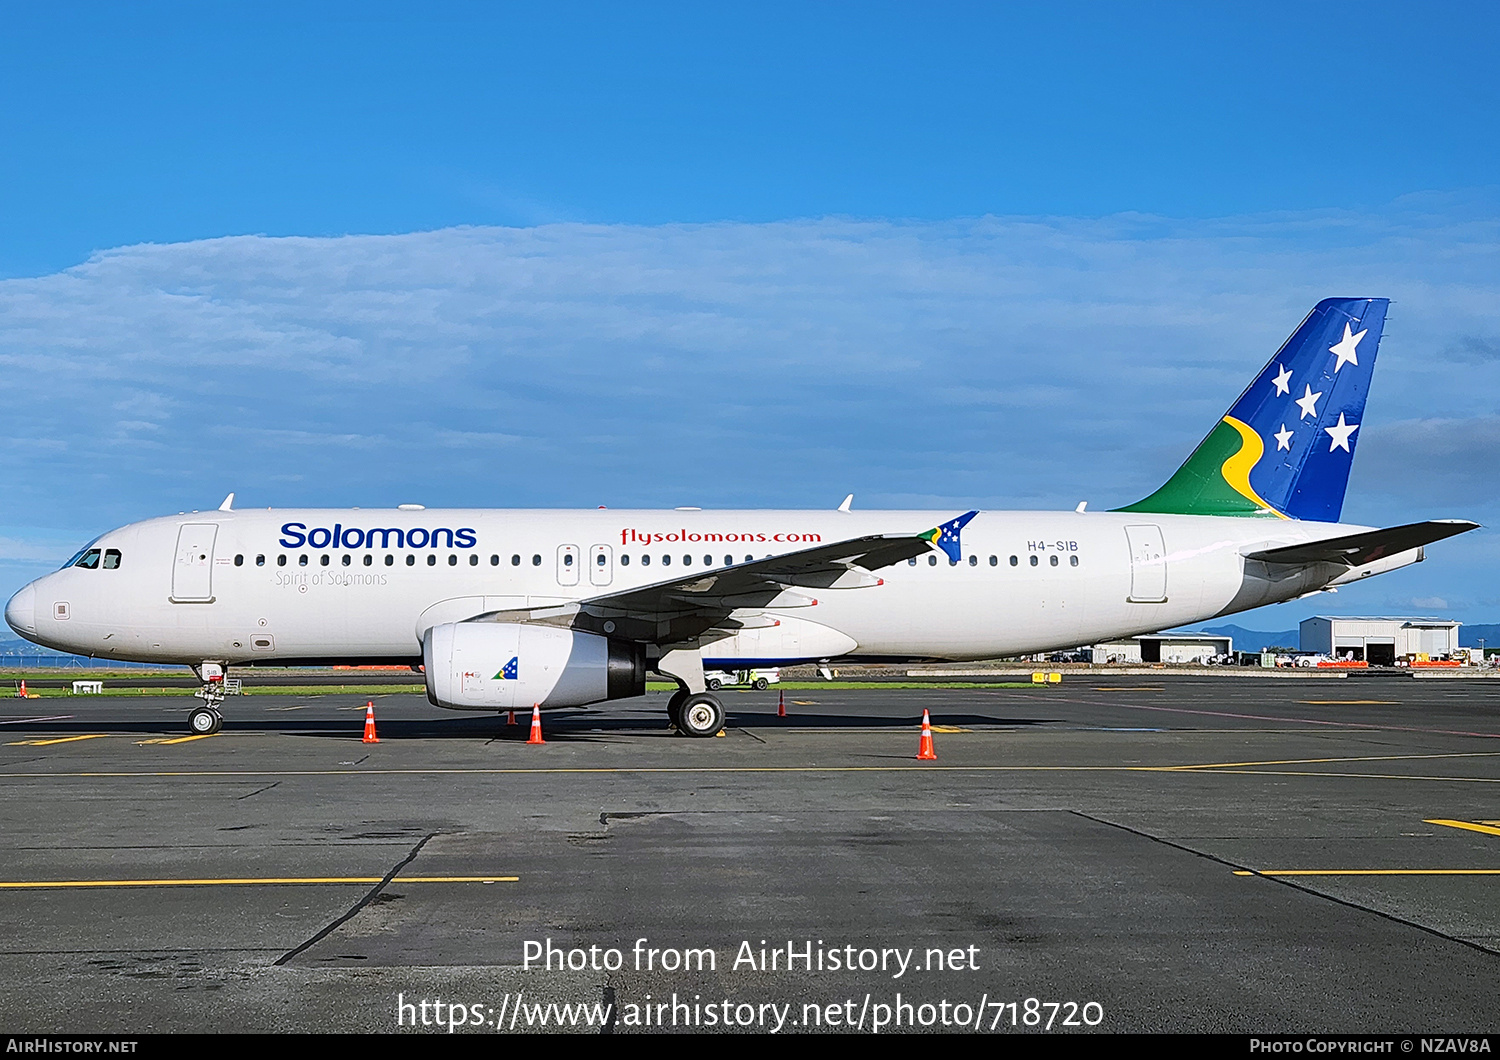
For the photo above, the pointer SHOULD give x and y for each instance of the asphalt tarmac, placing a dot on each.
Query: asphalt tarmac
(1178, 855)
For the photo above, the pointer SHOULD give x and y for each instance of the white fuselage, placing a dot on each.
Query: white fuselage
(276, 587)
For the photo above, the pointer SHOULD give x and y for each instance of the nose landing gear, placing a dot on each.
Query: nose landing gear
(207, 719)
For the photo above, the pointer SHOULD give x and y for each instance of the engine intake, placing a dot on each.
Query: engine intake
(505, 665)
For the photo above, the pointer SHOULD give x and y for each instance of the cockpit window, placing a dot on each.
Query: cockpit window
(111, 559)
(77, 555)
(89, 560)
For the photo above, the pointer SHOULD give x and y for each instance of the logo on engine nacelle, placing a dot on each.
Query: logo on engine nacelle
(508, 671)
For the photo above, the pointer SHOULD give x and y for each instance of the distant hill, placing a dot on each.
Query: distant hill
(1254, 639)
(1470, 636)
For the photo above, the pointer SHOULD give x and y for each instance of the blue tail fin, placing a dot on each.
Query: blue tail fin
(1286, 446)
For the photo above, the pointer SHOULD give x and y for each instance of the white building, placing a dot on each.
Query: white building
(1379, 641)
(1164, 648)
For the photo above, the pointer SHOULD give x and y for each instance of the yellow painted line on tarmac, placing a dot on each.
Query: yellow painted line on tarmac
(1319, 761)
(1368, 872)
(190, 739)
(1486, 828)
(1129, 690)
(1349, 702)
(60, 739)
(246, 881)
(949, 728)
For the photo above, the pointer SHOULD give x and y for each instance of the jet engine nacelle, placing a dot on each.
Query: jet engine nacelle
(506, 665)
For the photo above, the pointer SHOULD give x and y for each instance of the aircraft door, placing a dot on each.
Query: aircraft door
(1148, 565)
(567, 564)
(193, 565)
(601, 565)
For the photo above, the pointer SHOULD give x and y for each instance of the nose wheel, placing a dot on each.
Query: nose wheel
(205, 721)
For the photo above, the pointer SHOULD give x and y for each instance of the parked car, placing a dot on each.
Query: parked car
(762, 679)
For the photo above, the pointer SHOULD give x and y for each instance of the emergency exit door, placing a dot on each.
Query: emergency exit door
(1148, 565)
(193, 565)
(567, 564)
(601, 565)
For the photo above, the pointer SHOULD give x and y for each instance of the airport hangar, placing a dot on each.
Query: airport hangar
(1378, 641)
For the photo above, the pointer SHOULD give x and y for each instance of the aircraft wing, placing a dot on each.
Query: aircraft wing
(1356, 550)
(684, 607)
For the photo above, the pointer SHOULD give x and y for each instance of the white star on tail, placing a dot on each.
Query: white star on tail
(1283, 382)
(1347, 349)
(1308, 403)
(1340, 434)
(1283, 438)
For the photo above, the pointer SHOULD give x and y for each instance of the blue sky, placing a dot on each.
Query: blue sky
(734, 256)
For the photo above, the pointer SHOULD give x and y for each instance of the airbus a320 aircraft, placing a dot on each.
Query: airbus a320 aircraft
(507, 609)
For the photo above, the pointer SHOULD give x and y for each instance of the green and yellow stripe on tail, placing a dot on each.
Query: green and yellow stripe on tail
(1215, 480)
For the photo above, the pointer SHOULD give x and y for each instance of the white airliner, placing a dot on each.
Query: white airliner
(506, 609)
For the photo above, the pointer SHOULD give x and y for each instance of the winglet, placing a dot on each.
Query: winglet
(228, 505)
(945, 536)
(847, 502)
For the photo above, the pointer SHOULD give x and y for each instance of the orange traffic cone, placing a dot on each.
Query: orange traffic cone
(510, 719)
(22, 694)
(536, 724)
(370, 736)
(925, 750)
(781, 704)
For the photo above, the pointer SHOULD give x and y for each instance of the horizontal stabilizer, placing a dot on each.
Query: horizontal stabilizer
(1358, 549)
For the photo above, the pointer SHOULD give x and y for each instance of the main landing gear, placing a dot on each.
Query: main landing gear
(207, 719)
(696, 713)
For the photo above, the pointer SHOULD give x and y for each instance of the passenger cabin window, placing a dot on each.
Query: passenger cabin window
(260, 561)
(1013, 561)
(281, 560)
(90, 559)
(729, 561)
(473, 560)
(452, 561)
(323, 560)
(932, 561)
(599, 560)
(1033, 561)
(411, 561)
(112, 559)
(390, 560)
(625, 560)
(369, 559)
(666, 561)
(239, 560)
(749, 559)
(994, 561)
(302, 559)
(1053, 560)
(687, 561)
(568, 559)
(646, 560)
(432, 559)
(1072, 561)
(973, 561)
(515, 561)
(494, 561)
(346, 559)
(536, 560)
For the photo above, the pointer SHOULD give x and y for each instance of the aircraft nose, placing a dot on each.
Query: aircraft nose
(20, 613)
